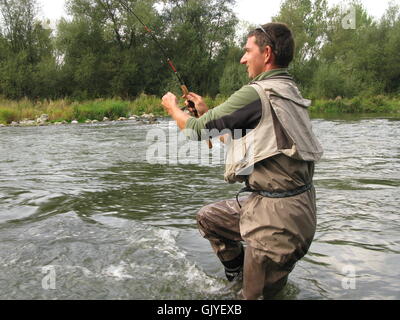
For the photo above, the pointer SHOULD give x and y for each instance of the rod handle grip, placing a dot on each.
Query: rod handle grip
(193, 108)
(191, 105)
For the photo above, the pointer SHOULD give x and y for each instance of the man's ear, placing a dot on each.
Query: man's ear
(269, 57)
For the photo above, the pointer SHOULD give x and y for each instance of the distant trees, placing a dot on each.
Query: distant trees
(107, 52)
(199, 33)
(234, 75)
(26, 51)
(332, 60)
(103, 51)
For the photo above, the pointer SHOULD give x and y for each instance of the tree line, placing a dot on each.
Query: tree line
(103, 51)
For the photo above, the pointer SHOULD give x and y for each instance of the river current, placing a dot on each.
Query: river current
(92, 212)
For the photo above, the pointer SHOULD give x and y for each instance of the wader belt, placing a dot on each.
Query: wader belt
(268, 194)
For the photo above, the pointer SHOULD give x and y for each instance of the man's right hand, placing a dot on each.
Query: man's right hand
(200, 105)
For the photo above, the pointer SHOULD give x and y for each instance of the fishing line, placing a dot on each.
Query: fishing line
(162, 49)
(191, 105)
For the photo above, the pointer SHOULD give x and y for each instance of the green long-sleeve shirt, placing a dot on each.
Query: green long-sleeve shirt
(242, 110)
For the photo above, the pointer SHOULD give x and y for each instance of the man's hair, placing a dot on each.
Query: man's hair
(279, 37)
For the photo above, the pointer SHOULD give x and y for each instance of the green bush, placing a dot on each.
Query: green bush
(376, 104)
(8, 115)
(147, 104)
(97, 110)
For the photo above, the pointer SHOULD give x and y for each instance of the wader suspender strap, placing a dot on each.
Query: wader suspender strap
(268, 194)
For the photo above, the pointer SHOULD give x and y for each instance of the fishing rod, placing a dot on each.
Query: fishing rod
(164, 52)
(184, 88)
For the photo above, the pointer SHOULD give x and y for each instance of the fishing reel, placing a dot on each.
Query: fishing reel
(190, 104)
(191, 109)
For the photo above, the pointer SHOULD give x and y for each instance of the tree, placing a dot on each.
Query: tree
(234, 75)
(106, 51)
(197, 31)
(354, 54)
(309, 21)
(389, 33)
(27, 46)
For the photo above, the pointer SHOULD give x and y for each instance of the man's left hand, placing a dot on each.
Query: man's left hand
(169, 102)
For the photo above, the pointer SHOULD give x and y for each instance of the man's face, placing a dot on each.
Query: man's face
(254, 60)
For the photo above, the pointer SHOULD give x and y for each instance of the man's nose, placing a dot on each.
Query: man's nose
(243, 60)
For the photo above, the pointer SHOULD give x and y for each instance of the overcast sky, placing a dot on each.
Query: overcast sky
(252, 11)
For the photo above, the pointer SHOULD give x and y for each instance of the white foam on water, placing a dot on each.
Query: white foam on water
(129, 257)
(119, 272)
(164, 240)
(202, 282)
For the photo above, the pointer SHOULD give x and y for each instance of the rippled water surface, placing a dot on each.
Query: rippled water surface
(86, 211)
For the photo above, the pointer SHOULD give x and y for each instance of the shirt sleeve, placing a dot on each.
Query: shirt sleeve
(237, 112)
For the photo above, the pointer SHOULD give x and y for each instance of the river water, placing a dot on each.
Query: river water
(91, 212)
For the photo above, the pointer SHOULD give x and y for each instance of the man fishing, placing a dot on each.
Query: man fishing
(274, 156)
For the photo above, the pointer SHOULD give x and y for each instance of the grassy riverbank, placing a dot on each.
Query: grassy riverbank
(66, 110)
(377, 104)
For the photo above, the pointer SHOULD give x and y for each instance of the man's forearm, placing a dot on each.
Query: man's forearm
(179, 116)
